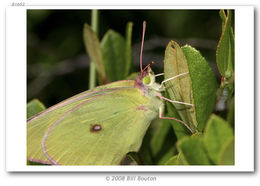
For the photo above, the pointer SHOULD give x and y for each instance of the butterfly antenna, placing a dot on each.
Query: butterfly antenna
(148, 66)
(142, 46)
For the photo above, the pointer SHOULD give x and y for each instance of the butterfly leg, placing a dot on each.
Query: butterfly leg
(161, 87)
(175, 119)
(161, 74)
(173, 101)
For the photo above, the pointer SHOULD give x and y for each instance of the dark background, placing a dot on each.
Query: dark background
(57, 64)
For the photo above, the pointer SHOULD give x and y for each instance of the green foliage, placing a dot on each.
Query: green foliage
(113, 57)
(215, 146)
(225, 50)
(227, 154)
(198, 87)
(217, 134)
(231, 113)
(158, 144)
(225, 53)
(34, 107)
(93, 49)
(179, 129)
(204, 85)
(193, 151)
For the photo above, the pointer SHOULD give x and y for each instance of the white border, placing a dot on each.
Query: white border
(16, 94)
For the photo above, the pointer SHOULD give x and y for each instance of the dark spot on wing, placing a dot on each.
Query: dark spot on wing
(172, 46)
(96, 128)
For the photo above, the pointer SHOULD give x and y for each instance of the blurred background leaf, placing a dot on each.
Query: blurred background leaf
(57, 64)
(94, 51)
(225, 51)
(117, 56)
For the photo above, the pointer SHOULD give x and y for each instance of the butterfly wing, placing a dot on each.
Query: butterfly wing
(38, 125)
(96, 131)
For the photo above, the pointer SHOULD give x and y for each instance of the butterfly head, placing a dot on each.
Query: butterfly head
(145, 79)
(148, 77)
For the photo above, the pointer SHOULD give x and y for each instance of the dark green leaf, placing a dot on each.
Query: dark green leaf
(231, 113)
(134, 157)
(34, 107)
(158, 144)
(204, 85)
(113, 48)
(128, 50)
(225, 49)
(179, 129)
(35, 163)
(193, 151)
(217, 133)
(93, 49)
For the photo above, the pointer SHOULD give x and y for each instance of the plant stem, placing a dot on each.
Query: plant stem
(92, 69)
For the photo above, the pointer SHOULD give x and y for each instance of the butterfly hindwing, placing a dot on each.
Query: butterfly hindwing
(101, 131)
(38, 125)
(96, 130)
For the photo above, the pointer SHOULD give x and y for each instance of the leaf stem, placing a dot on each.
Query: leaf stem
(92, 69)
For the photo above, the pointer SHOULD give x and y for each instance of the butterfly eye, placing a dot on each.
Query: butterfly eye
(146, 80)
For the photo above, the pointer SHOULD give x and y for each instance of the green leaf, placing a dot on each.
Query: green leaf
(93, 49)
(179, 129)
(227, 154)
(34, 107)
(174, 160)
(113, 48)
(217, 134)
(179, 89)
(35, 163)
(225, 49)
(158, 143)
(231, 113)
(204, 85)
(128, 50)
(177, 159)
(134, 157)
(117, 55)
(193, 151)
(198, 87)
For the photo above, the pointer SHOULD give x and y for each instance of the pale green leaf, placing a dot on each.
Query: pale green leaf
(93, 49)
(217, 134)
